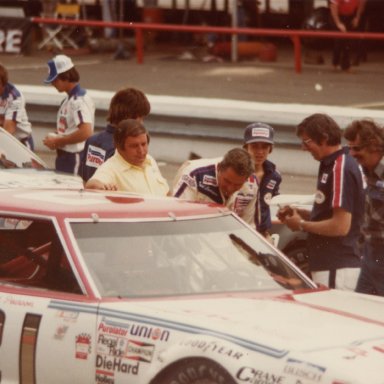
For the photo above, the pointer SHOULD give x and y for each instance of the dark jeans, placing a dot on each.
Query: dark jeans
(371, 279)
(343, 48)
(67, 162)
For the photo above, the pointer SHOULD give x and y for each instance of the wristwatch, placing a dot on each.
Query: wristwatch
(301, 222)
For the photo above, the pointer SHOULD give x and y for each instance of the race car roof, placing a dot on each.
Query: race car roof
(85, 203)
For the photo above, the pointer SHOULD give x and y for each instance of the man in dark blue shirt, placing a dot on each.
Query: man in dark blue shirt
(127, 103)
(334, 224)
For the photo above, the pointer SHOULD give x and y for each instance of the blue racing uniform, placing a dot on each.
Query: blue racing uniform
(339, 185)
(268, 187)
(196, 180)
(98, 148)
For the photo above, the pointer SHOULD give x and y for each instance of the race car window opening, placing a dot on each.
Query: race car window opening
(32, 255)
(165, 258)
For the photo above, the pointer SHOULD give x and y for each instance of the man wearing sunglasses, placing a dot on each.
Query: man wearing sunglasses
(366, 144)
(333, 225)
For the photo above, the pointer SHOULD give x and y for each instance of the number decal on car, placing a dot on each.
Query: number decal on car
(28, 342)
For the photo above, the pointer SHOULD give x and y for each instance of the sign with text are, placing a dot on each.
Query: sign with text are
(14, 34)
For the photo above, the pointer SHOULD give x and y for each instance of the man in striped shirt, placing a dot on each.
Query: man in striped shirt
(333, 225)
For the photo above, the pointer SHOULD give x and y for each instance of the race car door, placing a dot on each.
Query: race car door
(47, 325)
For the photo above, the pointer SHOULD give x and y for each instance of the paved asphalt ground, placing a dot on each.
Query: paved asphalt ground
(164, 73)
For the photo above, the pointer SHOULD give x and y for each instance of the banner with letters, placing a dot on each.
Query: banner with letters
(15, 34)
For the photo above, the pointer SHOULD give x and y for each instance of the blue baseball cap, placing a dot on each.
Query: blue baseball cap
(57, 65)
(258, 133)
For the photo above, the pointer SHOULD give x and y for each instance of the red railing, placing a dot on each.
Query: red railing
(294, 35)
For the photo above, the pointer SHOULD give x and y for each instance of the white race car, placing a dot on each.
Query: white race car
(100, 287)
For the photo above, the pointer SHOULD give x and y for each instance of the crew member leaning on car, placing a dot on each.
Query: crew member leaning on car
(334, 223)
(366, 145)
(131, 168)
(228, 181)
(258, 142)
(75, 118)
(13, 115)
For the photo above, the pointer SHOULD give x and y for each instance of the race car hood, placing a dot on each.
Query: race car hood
(38, 178)
(311, 321)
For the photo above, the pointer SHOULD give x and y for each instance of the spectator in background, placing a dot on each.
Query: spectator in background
(76, 116)
(346, 15)
(127, 103)
(227, 181)
(258, 141)
(131, 168)
(366, 145)
(334, 224)
(13, 115)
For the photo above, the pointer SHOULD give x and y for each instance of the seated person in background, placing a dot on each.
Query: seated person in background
(127, 103)
(228, 181)
(131, 168)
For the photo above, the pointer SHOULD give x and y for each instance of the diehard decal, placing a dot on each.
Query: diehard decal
(116, 364)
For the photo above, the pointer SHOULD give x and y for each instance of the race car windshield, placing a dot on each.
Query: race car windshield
(162, 258)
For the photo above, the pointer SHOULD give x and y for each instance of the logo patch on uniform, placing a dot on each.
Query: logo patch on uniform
(271, 184)
(319, 197)
(190, 181)
(209, 180)
(95, 156)
(324, 178)
(268, 198)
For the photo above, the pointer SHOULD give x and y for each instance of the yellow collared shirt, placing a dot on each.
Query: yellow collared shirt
(131, 178)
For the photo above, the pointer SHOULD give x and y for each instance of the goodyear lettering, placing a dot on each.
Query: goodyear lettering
(214, 347)
(116, 365)
(255, 376)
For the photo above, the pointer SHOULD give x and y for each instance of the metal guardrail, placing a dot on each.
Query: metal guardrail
(139, 28)
(199, 118)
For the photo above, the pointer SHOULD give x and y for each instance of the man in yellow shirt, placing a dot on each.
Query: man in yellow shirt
(131, 168)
